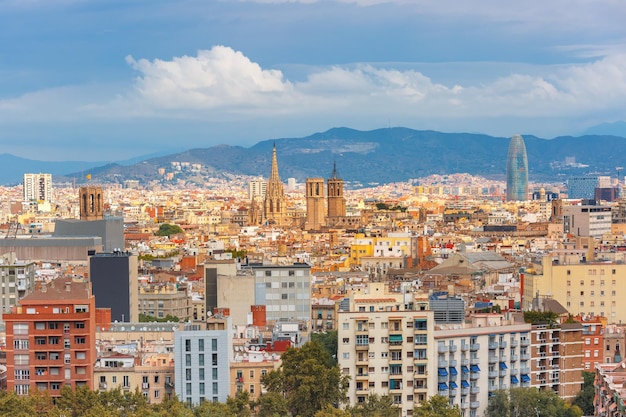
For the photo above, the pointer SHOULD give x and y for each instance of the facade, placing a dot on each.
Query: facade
(162, 300)
(315, 210)
(587, 220)
(51, 338)
(17, 279)
(517, 170)
(285, 290)
(583, 288)
(257, 188)
(115, 284)
(610, 397)
(245, 374)
(557, 353)
(474, 361)
(201, 365)
(388, 352)
(274, 204)
(38, 187)
(593, 341)
(585, 186)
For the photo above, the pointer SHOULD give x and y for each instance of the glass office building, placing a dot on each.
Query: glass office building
(517, 170)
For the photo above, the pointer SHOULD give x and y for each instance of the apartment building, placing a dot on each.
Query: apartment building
(473, 361)
(592, 341)
(201, 365)
(165, 299)
(248, 369)
(556, 358)
(51, 338)
(17, 278)
(610, 397)
(385, 345)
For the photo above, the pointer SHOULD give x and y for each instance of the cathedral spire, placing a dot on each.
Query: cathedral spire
(274, 174)
(334, 175)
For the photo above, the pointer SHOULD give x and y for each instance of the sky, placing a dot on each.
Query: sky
(107, 80)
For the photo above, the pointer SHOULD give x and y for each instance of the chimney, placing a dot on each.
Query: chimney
(68, 286)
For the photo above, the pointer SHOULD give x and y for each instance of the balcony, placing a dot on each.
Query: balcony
(453, 362)
(474, 361)
(503, 373)
(474, 404)
(503, 358)
(453, 348)
(465, 391)
(514, 343)
(502, 386)
(464, 405)
(492, 388)
(513, 371)
(524, 371)
(493, 359)
(362, 346)
(503, 345)
(475, 390)
(239, 380)
(145, 385)
(493, 345)
(464, 362)
(492, 374)
(474, 347)
(103, 386)
(442, 349)
(464, 347)
(442, 363)
(524, 357)
(169, 385)
(453, 392)
(474, 376)
(360, 377)
(524, 342)
(514, 358)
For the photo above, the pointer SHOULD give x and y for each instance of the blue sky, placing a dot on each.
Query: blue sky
(110, 79)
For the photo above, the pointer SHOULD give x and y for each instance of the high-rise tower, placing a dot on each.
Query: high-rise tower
(517, 170)
(37, 187)
(314, 203)
(336, 200)
(274, 208)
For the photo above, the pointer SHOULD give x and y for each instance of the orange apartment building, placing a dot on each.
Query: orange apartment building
(51, 338)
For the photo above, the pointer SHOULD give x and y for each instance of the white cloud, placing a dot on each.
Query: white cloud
(225, 80)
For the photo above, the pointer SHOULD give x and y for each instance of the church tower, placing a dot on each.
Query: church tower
(336, 200)
(91, 203)
(314, 203)
(275, 208)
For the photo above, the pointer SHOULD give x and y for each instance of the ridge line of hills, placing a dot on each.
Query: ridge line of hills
(376, 156)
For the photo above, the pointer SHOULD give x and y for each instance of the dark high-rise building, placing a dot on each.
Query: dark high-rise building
(517, 170)
(114, 282)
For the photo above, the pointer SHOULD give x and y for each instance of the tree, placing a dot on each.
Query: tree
(529, 402)
(540, 317)
(272, 404)
(239, 405)
(329, 341)
(375, 406)
(584, 399)
(167, 229)
(307, 380)
(437, 406)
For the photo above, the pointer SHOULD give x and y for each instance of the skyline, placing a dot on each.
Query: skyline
(111, 80)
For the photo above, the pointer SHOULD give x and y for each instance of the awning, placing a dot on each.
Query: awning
(464, 369)
(525, 378)
(453, 371)
(453, 385)
(475, 368)
(465, 384)
(442, 372)
(514, 380)
(503, 365)
(442, 386)
(395, 338)
(612, 406)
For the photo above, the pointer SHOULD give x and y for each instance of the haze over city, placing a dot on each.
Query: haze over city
(111, 80)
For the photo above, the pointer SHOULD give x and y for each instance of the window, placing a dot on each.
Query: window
(346, 340)
(79, 325)
(188, 374)
(200, 359)
(20, 328)
(21, 359)
(201, 374)
(80, 355)
(19, 344)
(188, 388)
(593, 282)
(187, 345)
(214, 344)
(200, 345)
(157, 394)
(67, 358)
(251, 373)
(214, 373)
(582, 282)
(569, 283)
(187, 359)
(215, 388)
(40, 325)
(346, 326)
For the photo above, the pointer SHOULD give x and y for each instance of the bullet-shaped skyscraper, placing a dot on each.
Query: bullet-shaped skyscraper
(517, 170)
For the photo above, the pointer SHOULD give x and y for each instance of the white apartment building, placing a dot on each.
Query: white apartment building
(201, 365)
(474, 361)
(257, 188)
(37, 187)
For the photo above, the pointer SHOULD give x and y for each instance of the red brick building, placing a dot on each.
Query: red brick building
(51, 338)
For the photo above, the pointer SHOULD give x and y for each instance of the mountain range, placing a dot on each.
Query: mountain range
(381, 156)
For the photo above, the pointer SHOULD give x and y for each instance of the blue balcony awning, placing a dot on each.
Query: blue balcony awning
(475, 368)
(453, 371)
(453, 385)
(503, 365)
(525, 378)
(442, 386)
(465, 384)
(395, 338)
(442, 372)
(514, 380)
(464, 369)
